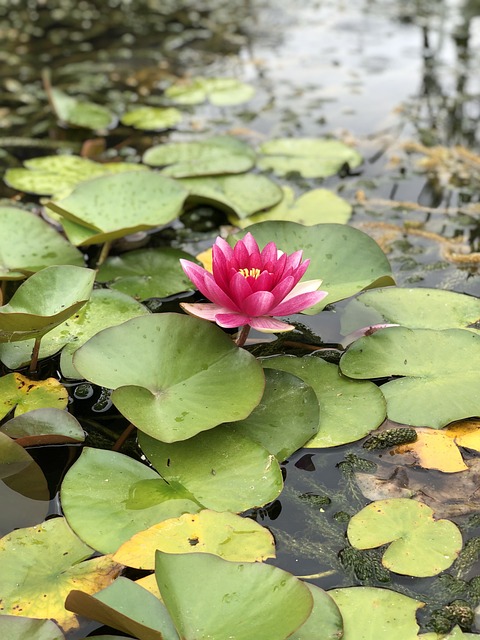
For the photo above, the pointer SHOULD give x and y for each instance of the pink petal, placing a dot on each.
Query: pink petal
(241, 254)
(294, 260)
(266, 324)
(239, 289)
(250, 243)
(303, 287)
(222, 246)
(283, 288)
(258, 303)
(299, 272)
(269, 253)
(194, 272)
(204, 310)
(216, 294)
(231, 320)
(264, 282)
(298, 303)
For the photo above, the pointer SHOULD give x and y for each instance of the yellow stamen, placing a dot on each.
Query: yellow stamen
(253, 273)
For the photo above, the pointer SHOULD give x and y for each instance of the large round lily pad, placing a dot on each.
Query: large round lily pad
(217, 155)
(28, 244)
(370, 613)
(346, 259)
(46, 299)
(173, 375)
(311, 157)
(348, 411)
(419, 308)
(208, 597)
(219, 469)
(421, 546)
(440, 373)
(116, 205)
(108, 497)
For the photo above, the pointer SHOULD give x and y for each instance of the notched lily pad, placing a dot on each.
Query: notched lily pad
(221, 92)
(214, 156)
(311, 157)
(439, 369)
(152, 118)
(420, 546)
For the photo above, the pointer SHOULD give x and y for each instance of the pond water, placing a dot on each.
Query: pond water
(394, 79)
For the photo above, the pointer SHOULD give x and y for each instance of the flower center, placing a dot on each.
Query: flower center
(253, 273)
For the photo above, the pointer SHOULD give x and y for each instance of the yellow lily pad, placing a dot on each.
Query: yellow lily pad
(435, 450)
(23, 394)
(223, 534)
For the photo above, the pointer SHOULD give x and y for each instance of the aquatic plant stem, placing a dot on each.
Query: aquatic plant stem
(104, 253)
(34, 360)
(121, 440)
(242, 335)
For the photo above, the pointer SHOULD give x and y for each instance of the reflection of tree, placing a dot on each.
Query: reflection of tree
(447, 114)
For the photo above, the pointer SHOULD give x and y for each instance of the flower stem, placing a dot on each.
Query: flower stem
(242, 335)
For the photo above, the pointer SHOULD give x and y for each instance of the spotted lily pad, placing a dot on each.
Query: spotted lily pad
(419, 308)
(167, 390)
(45, 300)
(420, 546)
(113, 206)
(146, 273)
(311, 157)
(80, 113)
(152, 118)
(219, 469)
(36, 581)
(216, 155)
(348, 411)
(313, 207)
(104, 309)
(207, 597)
(346, 259)
(224, 534)
(28, 244)
(219, 91)
(104, 487)
(58, 175)
(439, 369)
(242, 195)
(369, 613)
(17, 391)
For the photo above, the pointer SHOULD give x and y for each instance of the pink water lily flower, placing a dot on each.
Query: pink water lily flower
(248, 286)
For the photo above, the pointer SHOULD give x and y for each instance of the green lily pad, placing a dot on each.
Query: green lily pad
(28, 244)
(152, 118)
(286, 418)
(419, 308)
(125, 606)
(220, 469)
(420, 546)
(325, 622)
(311, 157)
(223, 534)
(23, 394)
(439, 369)
(117, 205)
(208, 597)
(216, 155)
(147, 273)
(221, 92)
(36, 581)
(58, 175)
(167, 390)
(313, 207)
(346, 259)
(43, 422)
(45, 300)
(348, 411)
(104, 309)
(15, 628)
(242, 195)
(80, 113)
(369, 613)
(104, 487)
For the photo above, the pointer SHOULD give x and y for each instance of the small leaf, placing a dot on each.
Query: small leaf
(223, 534)
(313, 207)
(80, 113)
(311, 157)
(421, 546)
(220, 91)
(36, 581)
(213, 156)
(152, 118)
(22, 394)
(208, 597)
